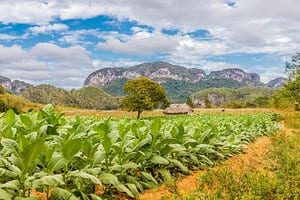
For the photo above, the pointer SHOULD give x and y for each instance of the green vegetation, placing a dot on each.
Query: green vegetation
(190, 102)
(290, 93)
(2, 90)
(143, 94)
(280, 179)
(87, 97)
(67, 157)
(45, 94)
(177, 91)
(8, 101)
(116, 87)
(236, 98)
(94, 98)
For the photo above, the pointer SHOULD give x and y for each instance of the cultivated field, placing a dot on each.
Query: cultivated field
(49, 155)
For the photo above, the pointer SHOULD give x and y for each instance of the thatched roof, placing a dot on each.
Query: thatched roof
(178, 109)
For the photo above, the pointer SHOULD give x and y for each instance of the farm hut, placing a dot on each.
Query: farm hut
(175, 109)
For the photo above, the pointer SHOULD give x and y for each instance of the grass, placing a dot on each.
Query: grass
(268, 169)
(279, 178)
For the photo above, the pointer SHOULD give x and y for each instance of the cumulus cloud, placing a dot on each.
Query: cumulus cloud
(73, 54)
(250, 26)
(98, 64)
(47, 28)
(7, 37)
(46, 63)
(142, 43)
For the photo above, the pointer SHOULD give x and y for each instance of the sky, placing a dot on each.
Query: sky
(61, 42)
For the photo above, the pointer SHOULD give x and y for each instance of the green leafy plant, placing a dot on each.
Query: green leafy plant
(66, 157)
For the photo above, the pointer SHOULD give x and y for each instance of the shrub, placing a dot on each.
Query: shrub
(190, 102)
(207, 103)
(235, 104)
(13, 102)
(2, 90)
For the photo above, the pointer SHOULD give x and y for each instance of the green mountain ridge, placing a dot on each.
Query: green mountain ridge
(87, 97)
(226, 96)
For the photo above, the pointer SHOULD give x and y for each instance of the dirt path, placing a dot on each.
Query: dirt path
(252, 159)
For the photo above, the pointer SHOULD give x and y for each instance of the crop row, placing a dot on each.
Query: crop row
(89, 158)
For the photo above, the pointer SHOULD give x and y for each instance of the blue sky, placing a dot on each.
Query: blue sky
(61, 42)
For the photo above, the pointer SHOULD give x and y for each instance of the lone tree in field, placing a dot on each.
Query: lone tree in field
(143, 94)
(292, 87)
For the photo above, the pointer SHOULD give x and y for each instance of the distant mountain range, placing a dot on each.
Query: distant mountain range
(15, 86)
(179, 82)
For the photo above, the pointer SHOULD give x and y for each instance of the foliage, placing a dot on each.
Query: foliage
(290, 93)
(93, 98)
(262, 102)
(67, 157)
(143, 94)
(279, 180)
(45, 94)
(207, 103)
(235, 105)
(190, 102)
(87, 97)
(8, 101)
(116, 87)
(2, 89)
(177, 90)
(236, 98)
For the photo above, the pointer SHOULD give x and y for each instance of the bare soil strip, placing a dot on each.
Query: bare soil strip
(252, 159)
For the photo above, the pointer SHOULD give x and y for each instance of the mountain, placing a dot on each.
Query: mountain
(179, 82)
(251, 79)
(15, 86)
(277, 82)
(224, 96)
(155, 70)
(87, 97)
(163, 70)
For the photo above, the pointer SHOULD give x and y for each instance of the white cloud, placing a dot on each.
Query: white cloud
(8, 37)
(268, 73)
(12, 54)
(142, 43)
(47, 28)
(73, 54)
(98, 64)
(251, 26)
(46, 63)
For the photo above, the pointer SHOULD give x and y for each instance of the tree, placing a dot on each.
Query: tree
(207, 103)
(143, 94)
(292, 87)
(2, 90)
(190, 102)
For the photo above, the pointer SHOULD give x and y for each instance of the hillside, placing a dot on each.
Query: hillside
(88, 97)
(224, 96)
(179, 82)
(177, 91)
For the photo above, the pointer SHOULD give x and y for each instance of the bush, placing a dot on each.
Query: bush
(190, 102)
(207, 103)
(2, 90)
(235, 104)
(13, 102)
